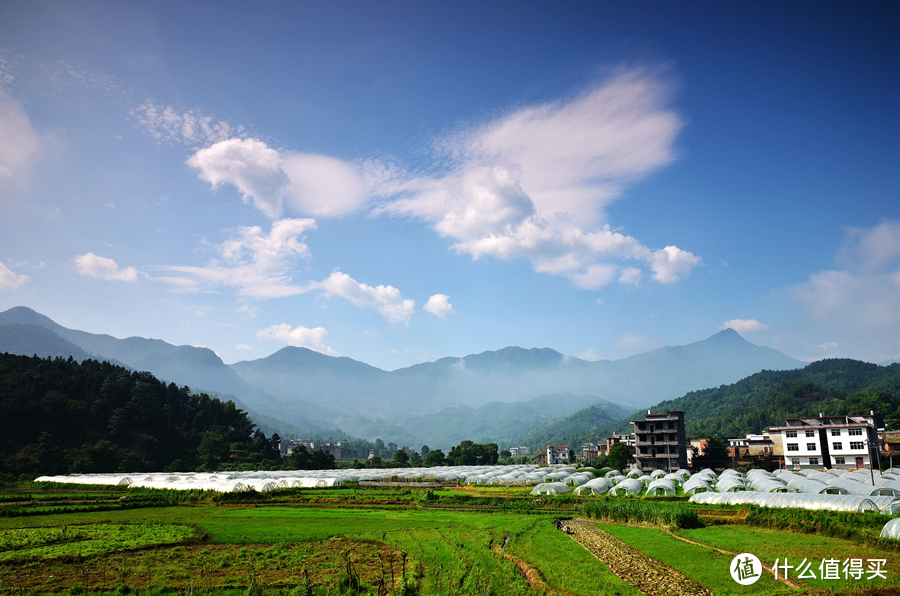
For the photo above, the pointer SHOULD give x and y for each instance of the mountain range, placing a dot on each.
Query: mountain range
(497, 395)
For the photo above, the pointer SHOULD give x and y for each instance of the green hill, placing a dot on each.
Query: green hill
(833, 386)
(61, 416)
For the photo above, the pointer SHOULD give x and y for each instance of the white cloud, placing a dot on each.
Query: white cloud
(439, 305)
(173, 125)
(257, 264)
(744, 325)
(20, 147)
(243, 347)
(308, 184)
(97, 267)
(589, 355)
(385, 299)
(250, 165)
(323, 186)
(631, 276)
(535, 183)
(855, 306)
(260, 265)
(629, 344)
(299, 336)
(9, 280)
(871, 250)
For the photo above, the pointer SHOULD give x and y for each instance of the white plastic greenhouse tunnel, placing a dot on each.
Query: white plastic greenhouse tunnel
(891, 529)
(550, 488)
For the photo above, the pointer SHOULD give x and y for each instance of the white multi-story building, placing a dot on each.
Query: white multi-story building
(557, 454)
(829, 441)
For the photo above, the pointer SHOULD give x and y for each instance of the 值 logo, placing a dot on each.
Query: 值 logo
(746, 569)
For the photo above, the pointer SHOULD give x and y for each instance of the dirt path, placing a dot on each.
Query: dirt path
(634, 567)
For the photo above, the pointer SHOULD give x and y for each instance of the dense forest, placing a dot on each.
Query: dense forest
(832, 387)
(61, 416)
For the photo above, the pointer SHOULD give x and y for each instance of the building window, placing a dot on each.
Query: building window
(855, 432)
(837, 446)
(839, 461)
(814, 461)
(857, 445)
(793, 447)
(790, 434)
(835, 432)
(810, 433)
(810, 446)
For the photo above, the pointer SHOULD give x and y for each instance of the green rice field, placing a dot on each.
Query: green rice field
(383, 541)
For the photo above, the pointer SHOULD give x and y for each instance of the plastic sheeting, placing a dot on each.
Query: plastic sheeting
(597, 486)
(629, 486)
(891, 529)
(661, 487)
(796, 500)
(550, 488)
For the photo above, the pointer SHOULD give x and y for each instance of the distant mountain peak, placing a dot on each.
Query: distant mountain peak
(728, 334)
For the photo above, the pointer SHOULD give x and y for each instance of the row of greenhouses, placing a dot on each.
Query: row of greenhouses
(266, 481)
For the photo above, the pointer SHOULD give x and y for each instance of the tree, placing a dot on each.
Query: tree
(401, 457)
(213, 449)
(425, 450)
(415, 459)
(618, 456)
(435, 458)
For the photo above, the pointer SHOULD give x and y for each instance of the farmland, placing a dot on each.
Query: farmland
(383, 540)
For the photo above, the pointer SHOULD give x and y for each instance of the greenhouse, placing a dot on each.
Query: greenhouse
(629, 486)
(550, 488)
(891, 529)
(661, 487)
(696, 485)
(796, 500)
(597, 486)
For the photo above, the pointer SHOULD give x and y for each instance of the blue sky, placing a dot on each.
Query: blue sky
(400, 181)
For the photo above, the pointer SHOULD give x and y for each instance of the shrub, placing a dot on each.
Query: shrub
(643, 512)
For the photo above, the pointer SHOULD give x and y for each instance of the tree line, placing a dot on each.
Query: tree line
(60, 416)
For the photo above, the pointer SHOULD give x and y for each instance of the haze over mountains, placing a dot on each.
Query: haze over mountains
(497, 395)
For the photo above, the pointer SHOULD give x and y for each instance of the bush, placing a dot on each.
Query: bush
(635, 511)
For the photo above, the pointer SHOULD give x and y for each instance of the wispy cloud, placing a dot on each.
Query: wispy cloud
(744, 325)
(535, 183)
(98, 267)
(190, 127)
(861, 295)
(298, 336)
(256, 264)
(20, 147)
(10, 280)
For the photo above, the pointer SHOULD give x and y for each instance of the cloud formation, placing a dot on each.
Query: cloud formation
(250, 165)
(385, 299)
(299, 336)
(439, 305)
(9, 280)
(744, 325)
(20, 147)
(260, 265)
(255, 263)
(860, 297)
(535, 184)
(98, 267)
(306, 183)
(190, 127)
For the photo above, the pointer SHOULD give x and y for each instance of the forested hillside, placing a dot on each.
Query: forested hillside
(60, 416)
(833, 386)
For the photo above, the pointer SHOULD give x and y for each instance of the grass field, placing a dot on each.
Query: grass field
(379, 541)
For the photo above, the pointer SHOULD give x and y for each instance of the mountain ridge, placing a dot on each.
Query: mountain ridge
(307, 389)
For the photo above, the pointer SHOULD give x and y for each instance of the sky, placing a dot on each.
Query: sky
(397, 181)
